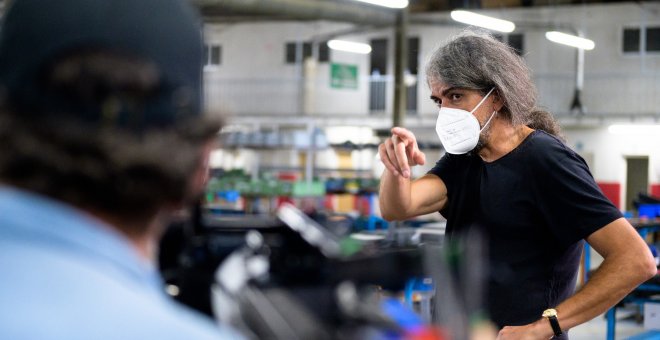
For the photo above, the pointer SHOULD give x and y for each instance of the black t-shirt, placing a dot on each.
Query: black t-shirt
(535, 206)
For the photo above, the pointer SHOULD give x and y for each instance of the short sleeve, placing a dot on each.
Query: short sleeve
(446, 168)
(567, 195)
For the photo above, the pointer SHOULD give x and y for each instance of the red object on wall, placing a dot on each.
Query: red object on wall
(612, 191)
(655, 190)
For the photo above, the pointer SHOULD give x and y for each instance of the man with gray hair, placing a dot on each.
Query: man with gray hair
(507, 174)
(102, 139)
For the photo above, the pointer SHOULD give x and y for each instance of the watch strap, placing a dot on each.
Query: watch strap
(554, 323)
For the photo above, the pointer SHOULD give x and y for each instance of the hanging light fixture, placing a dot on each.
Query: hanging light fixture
(570, 40)
(349, 46)
(388, 3)
(484, 21)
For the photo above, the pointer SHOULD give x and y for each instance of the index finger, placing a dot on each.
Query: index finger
(402, 159)
(404, 134)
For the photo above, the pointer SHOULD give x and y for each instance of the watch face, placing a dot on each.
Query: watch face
(549, 313)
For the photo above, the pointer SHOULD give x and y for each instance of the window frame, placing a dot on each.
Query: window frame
(209, 48)
(643, 37)
(308, 47)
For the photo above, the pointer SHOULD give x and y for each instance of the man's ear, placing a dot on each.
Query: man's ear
(498, 101)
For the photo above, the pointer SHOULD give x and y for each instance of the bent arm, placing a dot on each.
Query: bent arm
(627, 263)
(400, 198)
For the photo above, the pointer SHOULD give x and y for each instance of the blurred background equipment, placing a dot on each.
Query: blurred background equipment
(289, 277)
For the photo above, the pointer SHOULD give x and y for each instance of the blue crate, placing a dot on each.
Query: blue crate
(649, 210)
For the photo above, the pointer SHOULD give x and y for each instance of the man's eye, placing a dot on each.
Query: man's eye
(455, 96)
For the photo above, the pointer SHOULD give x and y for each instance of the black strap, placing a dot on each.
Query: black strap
(554, 323)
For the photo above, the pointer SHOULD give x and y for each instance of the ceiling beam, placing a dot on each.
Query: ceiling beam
(300, 10)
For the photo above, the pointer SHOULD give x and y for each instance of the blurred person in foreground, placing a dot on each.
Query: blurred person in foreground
(102, 138)
(507, 174)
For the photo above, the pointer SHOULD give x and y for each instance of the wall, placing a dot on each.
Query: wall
(611, 78)
(609, 152)
(254, 78)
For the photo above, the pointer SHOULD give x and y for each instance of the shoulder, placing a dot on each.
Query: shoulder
(543, 149)
(149, 314)
(540, 140)
(62, 289)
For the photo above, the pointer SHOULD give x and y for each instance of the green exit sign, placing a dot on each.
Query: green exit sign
(343, 76)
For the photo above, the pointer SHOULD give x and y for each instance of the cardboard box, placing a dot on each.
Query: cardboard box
(651, 315)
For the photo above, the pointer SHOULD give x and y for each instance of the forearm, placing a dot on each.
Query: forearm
(394, 196)
(615, 278)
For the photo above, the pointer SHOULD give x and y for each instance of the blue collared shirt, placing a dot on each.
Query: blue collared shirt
(66, 275)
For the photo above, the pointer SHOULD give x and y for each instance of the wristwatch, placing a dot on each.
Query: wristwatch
(551, 315)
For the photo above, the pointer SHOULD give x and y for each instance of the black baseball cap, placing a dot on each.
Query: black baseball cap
(165, 33)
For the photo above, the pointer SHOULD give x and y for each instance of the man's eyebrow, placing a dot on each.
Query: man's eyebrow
(445, 91)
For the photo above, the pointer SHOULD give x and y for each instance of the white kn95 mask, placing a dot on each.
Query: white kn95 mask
(458, 129)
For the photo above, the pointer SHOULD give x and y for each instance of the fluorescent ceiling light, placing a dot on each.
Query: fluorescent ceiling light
(349, 46)
(484, 21)
(388, 3)
(570, 40)
(634, 129)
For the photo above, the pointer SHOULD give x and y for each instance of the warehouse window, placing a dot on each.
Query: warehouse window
(378, 56)
(514, 40)
(413, 65)
(290, 53)
(212, 54)
(653, 39)
(324, 52)
(413, 55)
(291, 50)
(636, 40)
(378, 79)
(631, 40)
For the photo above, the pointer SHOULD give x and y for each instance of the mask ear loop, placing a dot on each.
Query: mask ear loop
(488, 121)
(482, 100)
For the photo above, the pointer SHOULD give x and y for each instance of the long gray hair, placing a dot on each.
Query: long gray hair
(475, 60)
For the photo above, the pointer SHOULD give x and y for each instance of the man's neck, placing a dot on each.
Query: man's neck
(503, 138)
